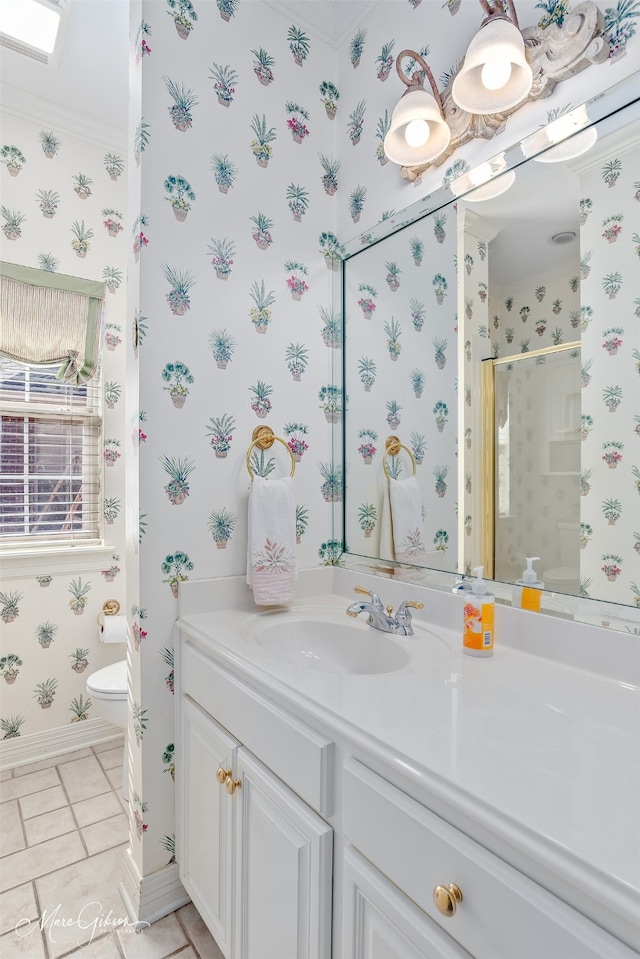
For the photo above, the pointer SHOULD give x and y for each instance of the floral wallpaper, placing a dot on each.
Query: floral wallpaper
(63, 204)
(610, 428)
(260, 154)
(401, 344)
(256, 152)
(238, 261)
(475, 332)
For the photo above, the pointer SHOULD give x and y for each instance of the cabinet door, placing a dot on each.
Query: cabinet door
(382, 923)
(204, 825)
(283, 861)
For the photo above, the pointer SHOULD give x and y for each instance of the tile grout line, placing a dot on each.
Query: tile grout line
(73, 815)
(186, 932)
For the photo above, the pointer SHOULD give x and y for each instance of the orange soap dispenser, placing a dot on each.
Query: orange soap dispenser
(479, 618)
(527, 593)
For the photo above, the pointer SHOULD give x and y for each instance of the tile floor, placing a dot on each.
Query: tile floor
(63, 834)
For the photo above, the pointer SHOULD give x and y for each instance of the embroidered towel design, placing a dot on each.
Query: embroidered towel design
(271, 554)
(406, 514)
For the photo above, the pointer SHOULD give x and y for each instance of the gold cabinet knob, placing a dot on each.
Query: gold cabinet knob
(232, 784)
(447, 898)
(222, 775)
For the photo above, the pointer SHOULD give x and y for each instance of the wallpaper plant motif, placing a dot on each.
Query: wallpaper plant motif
(610, 501)
(394, 323)
(214, 126)
(237, 274)
(58, 191)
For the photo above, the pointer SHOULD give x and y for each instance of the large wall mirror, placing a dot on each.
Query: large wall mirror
(497, 338)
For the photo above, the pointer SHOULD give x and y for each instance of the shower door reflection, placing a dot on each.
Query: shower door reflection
(537, 407)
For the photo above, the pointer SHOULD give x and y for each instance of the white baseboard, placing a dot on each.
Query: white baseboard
(54, 742)
(148, 898)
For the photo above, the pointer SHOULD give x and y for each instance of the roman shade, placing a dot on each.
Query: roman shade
(48, 318)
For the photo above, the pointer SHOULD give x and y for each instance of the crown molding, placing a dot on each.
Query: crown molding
(325, 24)
(621, 142)
(27, 106)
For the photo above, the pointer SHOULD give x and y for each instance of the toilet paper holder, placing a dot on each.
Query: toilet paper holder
(110, 607)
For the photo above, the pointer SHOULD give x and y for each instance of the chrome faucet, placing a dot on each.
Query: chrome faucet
(381, 618)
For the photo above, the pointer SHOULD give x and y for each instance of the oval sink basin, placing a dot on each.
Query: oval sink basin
(329, 646)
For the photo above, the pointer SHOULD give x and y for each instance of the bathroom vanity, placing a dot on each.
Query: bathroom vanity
(407, 804)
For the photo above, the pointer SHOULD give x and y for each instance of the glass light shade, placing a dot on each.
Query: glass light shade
(487, 191)
(571, 148)
(498, 42)
(416, 105)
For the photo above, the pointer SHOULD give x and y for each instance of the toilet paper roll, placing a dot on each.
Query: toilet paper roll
(113, 629)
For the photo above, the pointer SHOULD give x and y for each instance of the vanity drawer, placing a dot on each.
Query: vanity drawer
(502, 915)
(298, 755)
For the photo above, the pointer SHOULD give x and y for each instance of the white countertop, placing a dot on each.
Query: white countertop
(546, 752)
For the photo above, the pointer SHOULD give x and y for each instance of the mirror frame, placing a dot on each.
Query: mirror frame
(618, 97)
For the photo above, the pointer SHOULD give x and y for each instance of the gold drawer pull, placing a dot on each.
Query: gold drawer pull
(232, 784)
(222, 775)
(447, 898)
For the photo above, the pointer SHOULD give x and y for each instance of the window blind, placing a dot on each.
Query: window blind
(49, 317)
(50, 457)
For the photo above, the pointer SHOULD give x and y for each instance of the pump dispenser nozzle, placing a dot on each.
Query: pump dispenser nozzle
(479, 587)
(529, 575)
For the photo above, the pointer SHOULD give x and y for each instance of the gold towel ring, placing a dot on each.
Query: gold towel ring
(392, 447)
(263, 437)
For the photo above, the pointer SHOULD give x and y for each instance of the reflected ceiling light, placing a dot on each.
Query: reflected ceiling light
(562, 238)
(417, 132)
(495, 75)
(34, 23)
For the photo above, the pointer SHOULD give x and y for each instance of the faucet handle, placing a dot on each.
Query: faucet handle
(403, 615)
(375, 599)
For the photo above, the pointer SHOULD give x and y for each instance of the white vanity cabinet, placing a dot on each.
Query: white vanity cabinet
(254, 857)
(323, 842)
(485, 905)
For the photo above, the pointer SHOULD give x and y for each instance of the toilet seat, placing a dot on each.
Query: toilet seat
(561, 579)
(110, 682)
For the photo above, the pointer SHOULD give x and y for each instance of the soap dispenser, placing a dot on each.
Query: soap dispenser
(527, 593)
(479, 618)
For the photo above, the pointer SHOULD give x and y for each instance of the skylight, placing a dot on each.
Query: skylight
(30, 25)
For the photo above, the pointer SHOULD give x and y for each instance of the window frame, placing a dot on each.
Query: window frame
(60, 409)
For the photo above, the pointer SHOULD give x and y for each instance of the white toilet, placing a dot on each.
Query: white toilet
(566, 577)
(107, 688)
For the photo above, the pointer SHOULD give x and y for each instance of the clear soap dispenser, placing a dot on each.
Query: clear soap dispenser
(479, 618)
(527, 593)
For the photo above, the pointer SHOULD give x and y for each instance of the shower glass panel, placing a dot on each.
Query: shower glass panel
(537, 466)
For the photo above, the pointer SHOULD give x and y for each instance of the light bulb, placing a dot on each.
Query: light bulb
(495, 74)
(417, 133)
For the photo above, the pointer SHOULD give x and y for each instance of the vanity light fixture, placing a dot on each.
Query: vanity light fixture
(495, 75)
(418, 132)
(505, 68)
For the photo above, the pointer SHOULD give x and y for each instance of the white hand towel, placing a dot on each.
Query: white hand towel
(271, 545)
(406, 515)
(386, 529)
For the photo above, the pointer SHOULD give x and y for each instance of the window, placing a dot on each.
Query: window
(50, 462)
